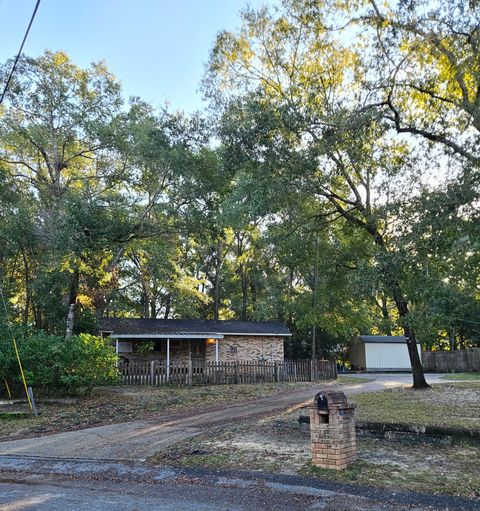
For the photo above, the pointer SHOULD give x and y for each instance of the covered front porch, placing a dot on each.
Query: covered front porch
(168, 349)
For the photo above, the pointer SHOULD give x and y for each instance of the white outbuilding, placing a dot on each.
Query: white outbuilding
(379, 353)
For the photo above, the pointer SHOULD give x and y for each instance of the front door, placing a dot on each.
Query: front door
(198, 349)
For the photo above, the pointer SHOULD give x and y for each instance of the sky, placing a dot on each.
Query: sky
(156, 48)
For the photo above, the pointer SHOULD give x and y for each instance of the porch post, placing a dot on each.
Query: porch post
(168, 359)
(216, 351)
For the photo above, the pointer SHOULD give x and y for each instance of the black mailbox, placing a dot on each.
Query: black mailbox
(322, 402)
(329, 398)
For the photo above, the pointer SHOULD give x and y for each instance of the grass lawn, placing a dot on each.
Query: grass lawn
(348, 380)
(280, 444)
(446, 404)
(118, 404)
(462, 376)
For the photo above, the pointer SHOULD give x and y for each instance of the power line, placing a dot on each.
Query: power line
(462, 320)
(19, 51)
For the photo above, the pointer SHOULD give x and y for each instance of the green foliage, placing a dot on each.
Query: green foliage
(336, 188)
(308, 119)
(145, 347)
(53, 365)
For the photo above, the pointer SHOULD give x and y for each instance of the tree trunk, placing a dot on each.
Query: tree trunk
(392, 284)
(27, 288)
(253, 290)
(153, 307)
(216, 296)
(384, 308)
(314, 342)
(243, 276)
(419, 381)
(37, 315)
(143, 305)
(70, 321)
(314, 301)
(168, 305)
(216, 282)
(452, 339)
(72, 304)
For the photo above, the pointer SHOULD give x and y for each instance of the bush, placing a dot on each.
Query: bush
(53, 365)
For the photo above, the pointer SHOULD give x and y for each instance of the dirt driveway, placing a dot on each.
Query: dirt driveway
(137, 440)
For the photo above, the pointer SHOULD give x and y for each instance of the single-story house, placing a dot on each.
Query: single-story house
(380, 353)
(181, 340)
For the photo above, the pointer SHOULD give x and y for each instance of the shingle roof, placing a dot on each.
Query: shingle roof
(196, 327)
(383, 338)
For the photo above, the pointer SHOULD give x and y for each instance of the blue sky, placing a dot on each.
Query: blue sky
(157, 48)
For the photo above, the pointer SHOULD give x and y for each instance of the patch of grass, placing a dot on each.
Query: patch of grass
(418, 467)
(462, 376)
(8, 416)
(212, 451)
(446, 404)
(352, 379)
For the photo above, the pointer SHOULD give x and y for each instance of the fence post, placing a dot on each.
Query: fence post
(190, 372)
(152, 372)
(32, 400)
(168, 360)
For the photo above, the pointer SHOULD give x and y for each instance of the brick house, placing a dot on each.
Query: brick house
(179, 340)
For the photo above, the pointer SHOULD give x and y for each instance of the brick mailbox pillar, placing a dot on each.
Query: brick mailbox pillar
(332, 429)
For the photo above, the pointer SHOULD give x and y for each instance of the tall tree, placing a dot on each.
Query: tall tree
(58, 132)
(302, 123)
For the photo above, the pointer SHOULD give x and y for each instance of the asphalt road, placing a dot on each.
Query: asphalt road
(137, 440)
(48, 485)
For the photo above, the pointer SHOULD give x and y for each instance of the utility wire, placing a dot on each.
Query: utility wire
(462, 320)
(19, 52)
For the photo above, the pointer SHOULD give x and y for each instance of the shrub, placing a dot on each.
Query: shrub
(146, 347)
(53, 365)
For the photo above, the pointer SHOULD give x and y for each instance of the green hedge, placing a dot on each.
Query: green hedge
(55, 366)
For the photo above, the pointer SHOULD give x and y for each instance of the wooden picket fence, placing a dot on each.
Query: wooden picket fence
(458, 361)
(211, 373)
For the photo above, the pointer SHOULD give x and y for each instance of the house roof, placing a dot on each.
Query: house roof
(142, 327)
(394, 339)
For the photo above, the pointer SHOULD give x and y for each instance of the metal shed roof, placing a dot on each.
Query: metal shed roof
(123, 327)
(380, 339)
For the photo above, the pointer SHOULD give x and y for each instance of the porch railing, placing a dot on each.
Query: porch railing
(212, 373)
